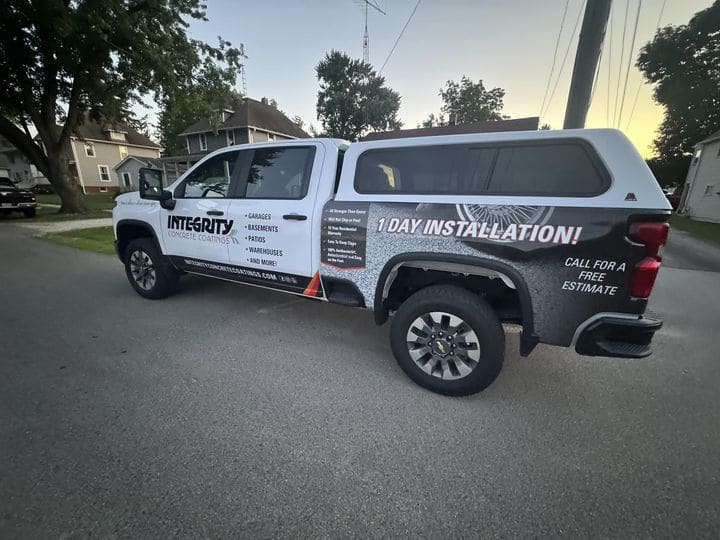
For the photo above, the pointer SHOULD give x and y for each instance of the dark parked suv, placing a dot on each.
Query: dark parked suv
(15, 199)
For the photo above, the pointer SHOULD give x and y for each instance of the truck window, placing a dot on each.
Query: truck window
(557, 169)
(211, 179)
(280, 173)
(552, 170)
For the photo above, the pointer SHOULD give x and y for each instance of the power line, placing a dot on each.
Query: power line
(629, 62)
(399, 36)
(567, 51)
(637, 92)
(620, 65)
(554, 60)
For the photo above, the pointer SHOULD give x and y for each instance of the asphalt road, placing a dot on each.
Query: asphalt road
(232, 411)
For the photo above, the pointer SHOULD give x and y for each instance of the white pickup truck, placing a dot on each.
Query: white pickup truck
(557, 231)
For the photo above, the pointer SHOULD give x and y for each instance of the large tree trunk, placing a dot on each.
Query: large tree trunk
(58, 174)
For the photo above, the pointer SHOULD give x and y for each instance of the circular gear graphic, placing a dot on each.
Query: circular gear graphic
(505, 214)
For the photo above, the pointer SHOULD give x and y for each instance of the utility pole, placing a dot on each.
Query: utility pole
(590, 42)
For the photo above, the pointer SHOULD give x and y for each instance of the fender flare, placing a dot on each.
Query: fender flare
(135, 223)
(528, 339)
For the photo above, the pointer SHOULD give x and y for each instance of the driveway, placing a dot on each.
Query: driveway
(236, 412)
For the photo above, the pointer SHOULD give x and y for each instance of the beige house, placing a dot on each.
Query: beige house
(701, 197)
(97, 149)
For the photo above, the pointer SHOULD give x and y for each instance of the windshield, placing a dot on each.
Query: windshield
(6, 185)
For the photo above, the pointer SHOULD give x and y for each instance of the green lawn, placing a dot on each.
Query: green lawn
(98, 201)
(701, 229)
(97, 239)
(97, 207)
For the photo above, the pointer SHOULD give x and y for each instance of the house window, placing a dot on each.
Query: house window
(230, 134)
(271, 137)
(89, 149)
(103, 190)
(127, 179)
(709, 190)
(104, 173)
(117, 135)
(123, 152)
(203, 142)
(718, 153)
(697, 155)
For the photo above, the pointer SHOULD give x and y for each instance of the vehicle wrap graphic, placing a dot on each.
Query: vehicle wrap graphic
(307, 286)
(575, 261)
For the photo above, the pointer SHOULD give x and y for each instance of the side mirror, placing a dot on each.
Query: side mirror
(151, 188)
(151, 184)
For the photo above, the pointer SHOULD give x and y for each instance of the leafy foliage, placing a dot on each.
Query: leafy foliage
(467, 102)
(61, 60)
(684, 63)
(353, 98)
(671, 170)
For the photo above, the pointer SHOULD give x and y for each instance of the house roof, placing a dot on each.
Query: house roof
(715, 136)
(252, 113)
(153, 163)
(516, 124)
(92, 129)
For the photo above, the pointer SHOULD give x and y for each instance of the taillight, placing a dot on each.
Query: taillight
(653, 235)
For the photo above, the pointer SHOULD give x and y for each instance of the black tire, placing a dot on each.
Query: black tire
(30, 213)
(445, 374)
(149, 272)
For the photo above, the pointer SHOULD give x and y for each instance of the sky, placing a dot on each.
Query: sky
(507, 43)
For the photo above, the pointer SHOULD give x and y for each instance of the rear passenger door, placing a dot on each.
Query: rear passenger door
(274, 208)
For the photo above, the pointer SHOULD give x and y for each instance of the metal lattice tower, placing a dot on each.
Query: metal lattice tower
(366, 35)
(242, 70)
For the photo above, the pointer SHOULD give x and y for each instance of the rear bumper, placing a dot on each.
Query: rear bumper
(618, 337)
(17, 205)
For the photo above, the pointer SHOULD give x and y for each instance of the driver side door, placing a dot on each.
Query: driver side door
(198, 229)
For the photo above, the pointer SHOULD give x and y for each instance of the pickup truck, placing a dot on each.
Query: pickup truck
(559, 232)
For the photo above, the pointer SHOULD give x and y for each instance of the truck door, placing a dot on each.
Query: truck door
(198, 228)
(274, 207)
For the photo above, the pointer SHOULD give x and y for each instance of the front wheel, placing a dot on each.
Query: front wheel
(149, 272)
(448, 340)
(30, 212)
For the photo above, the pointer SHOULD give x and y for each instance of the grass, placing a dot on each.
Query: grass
(701, 229)
(99, 201)
(97, 239)
(97, 207)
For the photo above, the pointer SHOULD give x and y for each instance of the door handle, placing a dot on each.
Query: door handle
(296, 217)
(215, 213)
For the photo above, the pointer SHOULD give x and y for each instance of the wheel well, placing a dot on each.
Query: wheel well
(127, 232)
(504, 299)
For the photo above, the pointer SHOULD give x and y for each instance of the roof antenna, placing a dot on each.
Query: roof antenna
(366, 36)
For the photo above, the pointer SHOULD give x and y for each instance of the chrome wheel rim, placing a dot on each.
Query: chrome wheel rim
(443, 345)
(142, 270)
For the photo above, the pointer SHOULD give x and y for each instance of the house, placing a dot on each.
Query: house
(127, 171)
(14, 165)
(245, 121)
(96, 149)
(515, 124)
(701, 194)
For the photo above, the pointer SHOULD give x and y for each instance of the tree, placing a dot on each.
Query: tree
(466, 102)
(353, 98)
(62, 60)
(684, 64)
(669, 171)
(204, 96)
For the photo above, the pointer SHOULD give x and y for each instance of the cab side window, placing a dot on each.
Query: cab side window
(280, 173)
(211, 179)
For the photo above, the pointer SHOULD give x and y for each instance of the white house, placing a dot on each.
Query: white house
(701, 197)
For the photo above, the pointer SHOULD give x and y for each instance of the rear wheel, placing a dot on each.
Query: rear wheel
(149, 271)
(448, 340)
